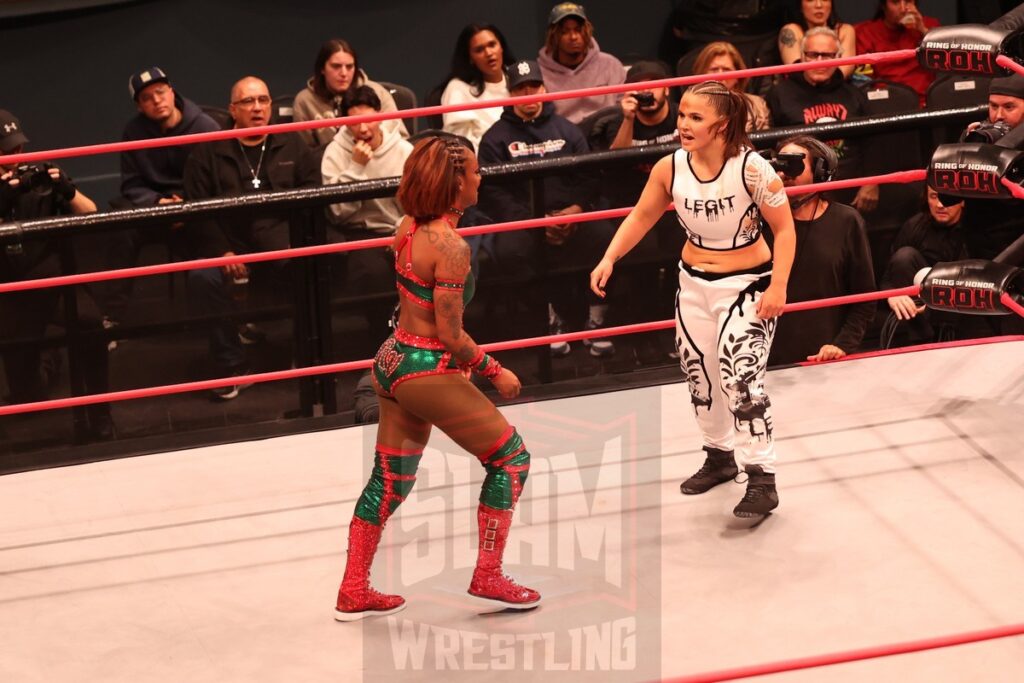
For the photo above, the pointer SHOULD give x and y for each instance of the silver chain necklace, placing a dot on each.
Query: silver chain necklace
(259, 164)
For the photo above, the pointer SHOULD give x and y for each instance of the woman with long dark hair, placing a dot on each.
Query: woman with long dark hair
(420, 374)
(808, 14)
(477, 73)
(336, 70)
(732, 286)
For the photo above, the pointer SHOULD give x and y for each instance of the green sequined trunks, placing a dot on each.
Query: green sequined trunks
(405, 356)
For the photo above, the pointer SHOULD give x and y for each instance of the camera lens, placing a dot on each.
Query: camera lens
(987, 133)
(644, 99)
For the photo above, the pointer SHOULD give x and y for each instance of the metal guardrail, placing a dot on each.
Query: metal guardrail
(46, 228)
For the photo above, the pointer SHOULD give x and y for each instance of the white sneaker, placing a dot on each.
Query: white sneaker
(599, 348)
(109, 324)
(556, 325)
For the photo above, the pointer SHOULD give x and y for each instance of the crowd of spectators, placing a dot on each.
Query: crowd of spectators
(710, 37)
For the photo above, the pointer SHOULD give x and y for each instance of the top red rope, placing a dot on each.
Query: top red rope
(1007, 63)
(193, 138)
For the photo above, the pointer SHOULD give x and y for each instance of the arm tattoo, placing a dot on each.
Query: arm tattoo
(456, 254)
(448, 314)
(759, 176)
(787, 37)
(453, 264)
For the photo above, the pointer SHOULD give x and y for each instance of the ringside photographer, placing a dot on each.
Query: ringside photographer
(29, 191)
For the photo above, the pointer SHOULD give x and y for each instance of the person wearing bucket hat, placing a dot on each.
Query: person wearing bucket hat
(42, 190)
(571, 59)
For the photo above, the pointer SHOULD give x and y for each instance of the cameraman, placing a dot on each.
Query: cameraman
(990, 225)
(38, 191)
(646, 116)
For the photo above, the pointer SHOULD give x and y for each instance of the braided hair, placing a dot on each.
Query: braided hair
(732, 107)
(432, 177)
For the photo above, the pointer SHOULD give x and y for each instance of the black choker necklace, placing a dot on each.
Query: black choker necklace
(457, 212)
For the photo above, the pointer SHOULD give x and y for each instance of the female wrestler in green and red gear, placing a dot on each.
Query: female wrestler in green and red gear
(420, 374)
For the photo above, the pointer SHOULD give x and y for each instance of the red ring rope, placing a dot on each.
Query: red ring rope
(1007, 63)
(853, 655)
(847, 299)
(193, 138)
(930, 346)
(1010, 303)
(1016, 190)
(907, 176)
(149, 392)
(321, 249)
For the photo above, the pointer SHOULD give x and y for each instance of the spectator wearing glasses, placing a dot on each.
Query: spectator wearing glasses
(150, 177)
(821, 96)
(808, 14)
(897, 25)
(226, 168)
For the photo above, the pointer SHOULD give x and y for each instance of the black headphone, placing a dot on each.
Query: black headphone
(824, 161)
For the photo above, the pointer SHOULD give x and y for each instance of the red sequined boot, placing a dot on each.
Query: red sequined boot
(489, 583)
(356, 599)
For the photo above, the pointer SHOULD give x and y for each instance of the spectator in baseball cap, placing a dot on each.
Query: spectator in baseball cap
(571, 59)
(149, 176)
(11, 135)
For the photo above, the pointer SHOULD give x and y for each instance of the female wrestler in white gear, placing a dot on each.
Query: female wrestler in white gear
(730, 291)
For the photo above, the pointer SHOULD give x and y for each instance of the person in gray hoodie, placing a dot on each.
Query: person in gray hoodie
(336, 70)
(365, 151)
(571, 59)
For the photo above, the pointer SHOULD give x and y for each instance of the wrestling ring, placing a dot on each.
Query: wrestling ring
(896, 555)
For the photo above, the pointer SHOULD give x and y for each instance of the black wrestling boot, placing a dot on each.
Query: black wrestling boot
(761, 497)
(718, 468)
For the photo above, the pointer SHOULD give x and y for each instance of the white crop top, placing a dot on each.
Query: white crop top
(721, 214)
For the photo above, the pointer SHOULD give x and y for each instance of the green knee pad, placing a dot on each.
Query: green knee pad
(507, 465)
(393, 476)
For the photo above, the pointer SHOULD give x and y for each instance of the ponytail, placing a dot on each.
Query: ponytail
(734, 109)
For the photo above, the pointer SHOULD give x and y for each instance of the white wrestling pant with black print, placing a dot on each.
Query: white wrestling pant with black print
(723, 352)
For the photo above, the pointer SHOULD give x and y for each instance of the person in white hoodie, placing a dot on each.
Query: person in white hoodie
(477, 73)
(365, 151)
(571, 59)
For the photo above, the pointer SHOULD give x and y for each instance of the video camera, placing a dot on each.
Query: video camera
(986, 132)
(644, 99)
(790, 164)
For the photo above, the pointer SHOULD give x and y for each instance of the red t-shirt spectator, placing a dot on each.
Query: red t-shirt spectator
(875, 36)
